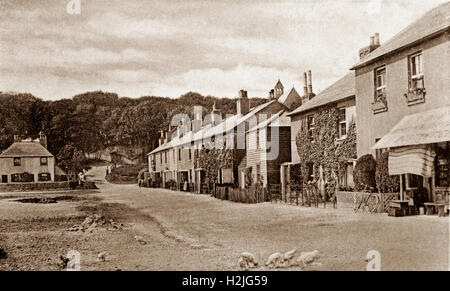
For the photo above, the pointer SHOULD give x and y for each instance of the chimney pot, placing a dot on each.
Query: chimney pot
(377, 39)
(372, 41)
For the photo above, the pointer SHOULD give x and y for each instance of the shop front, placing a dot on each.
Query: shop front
(419, 151)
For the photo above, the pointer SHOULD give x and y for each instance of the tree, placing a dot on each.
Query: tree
(71, 159)
(385, 183)
(364, 173)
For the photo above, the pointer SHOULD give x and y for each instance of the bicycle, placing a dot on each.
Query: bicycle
(369, 203)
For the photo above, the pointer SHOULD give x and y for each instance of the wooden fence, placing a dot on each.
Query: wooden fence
(254, 194)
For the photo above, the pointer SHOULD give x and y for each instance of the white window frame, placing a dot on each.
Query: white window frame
(419, 75)
(379, 90)
(341, 122)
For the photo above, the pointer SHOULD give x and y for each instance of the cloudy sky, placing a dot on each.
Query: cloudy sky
(167, 48)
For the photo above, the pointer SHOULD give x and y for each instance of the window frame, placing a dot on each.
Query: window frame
(310, 126)
(46, 161)
(413, 78)
(19, 163)
(342, 122)
(379, 90)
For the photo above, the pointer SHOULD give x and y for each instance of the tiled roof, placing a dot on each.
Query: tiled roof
(426, 127)
(342, 89)
(283, 97)
(26, 149)
(207, 131)
(432, 22)
(279, 119)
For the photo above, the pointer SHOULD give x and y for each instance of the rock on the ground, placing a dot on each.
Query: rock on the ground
(140, 239)
(101, 257)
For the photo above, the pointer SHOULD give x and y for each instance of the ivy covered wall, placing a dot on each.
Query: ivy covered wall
(323, 150)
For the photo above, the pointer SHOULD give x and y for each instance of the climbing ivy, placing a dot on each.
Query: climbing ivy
(324, 150)
(212, 160)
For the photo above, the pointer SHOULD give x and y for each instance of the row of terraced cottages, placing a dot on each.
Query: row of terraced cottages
(397, 97)
(237, 142)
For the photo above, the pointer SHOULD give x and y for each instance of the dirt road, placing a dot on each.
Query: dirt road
(196, 232)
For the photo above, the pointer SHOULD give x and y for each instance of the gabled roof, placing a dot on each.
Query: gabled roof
(279, 84)
(207, 131)
(284, 97)
(26, 149)
(340, 90)
(279, 119)
(433, 22)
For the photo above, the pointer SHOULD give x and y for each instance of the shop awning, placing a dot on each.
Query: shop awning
(426, 127)
(416, 160)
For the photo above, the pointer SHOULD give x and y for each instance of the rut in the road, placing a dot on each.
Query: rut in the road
(191, 243)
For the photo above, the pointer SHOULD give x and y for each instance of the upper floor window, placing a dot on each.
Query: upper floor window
(380, 101)
(165, 157)
(342, 123)
(310, 124)
(416, 71)
(17, 162)
(380, 83)
(179, 154)
(44, 161)
(190, 154)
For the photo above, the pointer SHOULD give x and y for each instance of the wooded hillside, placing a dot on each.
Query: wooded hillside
(94, 121)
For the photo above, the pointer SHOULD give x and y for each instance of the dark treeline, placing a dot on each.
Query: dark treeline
(94, 121)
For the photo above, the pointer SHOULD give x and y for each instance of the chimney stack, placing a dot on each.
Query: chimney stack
(43, 139)
(377, 39)
(215, 115)
(16, 138)
(161, 138)
(243, 104)
(309, 82)
(197, 123)
(271, 94)
(305, 86)
(374, 44)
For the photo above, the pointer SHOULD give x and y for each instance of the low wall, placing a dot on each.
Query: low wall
(345, 199)
(19, 187)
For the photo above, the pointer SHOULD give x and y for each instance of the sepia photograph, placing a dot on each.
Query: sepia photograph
(200, 136)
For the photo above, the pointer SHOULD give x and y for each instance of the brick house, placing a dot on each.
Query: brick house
(402, 103)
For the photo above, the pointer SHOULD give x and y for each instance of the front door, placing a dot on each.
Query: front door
(4, 178)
